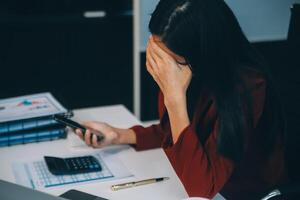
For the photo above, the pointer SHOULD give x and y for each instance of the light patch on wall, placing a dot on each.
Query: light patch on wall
(261, 20)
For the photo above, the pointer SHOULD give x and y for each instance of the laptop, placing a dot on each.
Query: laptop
(11, 191)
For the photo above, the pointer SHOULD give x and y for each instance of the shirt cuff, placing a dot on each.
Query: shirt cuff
(145, 138)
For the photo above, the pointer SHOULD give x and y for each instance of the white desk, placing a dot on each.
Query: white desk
(145, 164)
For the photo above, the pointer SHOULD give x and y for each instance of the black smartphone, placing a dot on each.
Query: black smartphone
(74, 125)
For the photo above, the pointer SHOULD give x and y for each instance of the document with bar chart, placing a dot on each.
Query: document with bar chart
(30, 106)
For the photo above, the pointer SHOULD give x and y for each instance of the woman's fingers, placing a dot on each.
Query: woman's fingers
(152, 46)
(163, 60)
(158, 52)
(149, 56)
(152, 66)
(151, 71)
(79, 133)
(151, 52)
(155, 58)
(94, 141)
(155, 77)
(87, 137)
(149, 68)
(156, 63)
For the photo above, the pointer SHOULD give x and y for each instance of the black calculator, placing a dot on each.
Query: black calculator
(73, 165)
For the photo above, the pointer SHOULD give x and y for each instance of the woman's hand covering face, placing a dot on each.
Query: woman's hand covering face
(173, 78)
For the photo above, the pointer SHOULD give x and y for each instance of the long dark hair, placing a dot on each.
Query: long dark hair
(207, 34)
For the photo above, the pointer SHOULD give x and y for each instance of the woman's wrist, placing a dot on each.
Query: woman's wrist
(172, 102)
(178, 115)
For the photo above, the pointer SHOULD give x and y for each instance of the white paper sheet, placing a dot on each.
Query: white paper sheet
(35, 174)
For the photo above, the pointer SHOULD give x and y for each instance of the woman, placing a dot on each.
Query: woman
(220, 121)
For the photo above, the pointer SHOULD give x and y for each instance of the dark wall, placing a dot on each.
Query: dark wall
(83, 62)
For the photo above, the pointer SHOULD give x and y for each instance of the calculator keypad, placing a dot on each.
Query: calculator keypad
(83, 164)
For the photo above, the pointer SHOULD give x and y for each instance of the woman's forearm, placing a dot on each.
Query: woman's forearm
(125, 136)
(178, 116)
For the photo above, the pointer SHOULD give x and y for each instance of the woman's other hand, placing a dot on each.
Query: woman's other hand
(163, 65)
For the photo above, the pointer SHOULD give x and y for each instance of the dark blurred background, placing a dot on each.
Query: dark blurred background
(49, 45)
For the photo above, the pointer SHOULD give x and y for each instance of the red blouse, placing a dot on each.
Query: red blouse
(201, 169)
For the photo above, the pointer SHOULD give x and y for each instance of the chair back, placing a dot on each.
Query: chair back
(289, 86)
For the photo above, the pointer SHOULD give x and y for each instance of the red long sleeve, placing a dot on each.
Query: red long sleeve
(153, 136)
(202, 170)
(148, 138)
